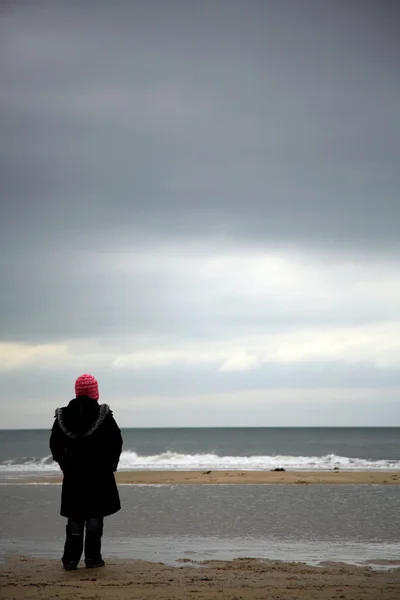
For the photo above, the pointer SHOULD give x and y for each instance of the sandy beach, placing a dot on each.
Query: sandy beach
(29, 577)
(247, 477)
(241, 579)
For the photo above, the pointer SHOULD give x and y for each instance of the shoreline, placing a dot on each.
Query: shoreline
(241, 477)
(245, 578)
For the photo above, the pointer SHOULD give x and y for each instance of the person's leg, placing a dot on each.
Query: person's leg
(73, 543)
(94, 531)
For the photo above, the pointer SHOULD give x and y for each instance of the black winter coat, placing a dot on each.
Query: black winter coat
(86, 442)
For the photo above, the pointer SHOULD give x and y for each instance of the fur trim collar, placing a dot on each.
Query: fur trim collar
(104, 410)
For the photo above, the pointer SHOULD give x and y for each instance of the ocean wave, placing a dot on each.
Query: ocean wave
(28, 463)
(130, 460)
(173, 460)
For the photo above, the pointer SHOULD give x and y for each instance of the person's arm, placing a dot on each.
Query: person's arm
(115, 442)
(57, 445)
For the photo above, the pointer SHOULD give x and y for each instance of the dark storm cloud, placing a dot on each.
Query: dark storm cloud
(263, 120)
(258, 122)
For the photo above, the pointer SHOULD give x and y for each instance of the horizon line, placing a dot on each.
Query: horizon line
(147, 427)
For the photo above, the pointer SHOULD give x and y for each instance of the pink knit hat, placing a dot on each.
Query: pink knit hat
(86, 385)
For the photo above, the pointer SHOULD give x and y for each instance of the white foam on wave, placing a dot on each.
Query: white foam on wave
(130, 460)
(28, 464)
(173, 460)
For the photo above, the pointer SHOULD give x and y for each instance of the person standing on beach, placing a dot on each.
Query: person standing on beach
(86, 442)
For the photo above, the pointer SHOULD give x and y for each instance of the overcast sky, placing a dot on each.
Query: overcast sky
(200, 205)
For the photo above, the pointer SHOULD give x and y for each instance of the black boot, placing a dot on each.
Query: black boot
(70, 566)
(94, 531)
(73, 544)
(93, 563)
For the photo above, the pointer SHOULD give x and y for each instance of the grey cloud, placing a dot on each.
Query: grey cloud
(254, 121)
(187, 382)
(131, 125)
(70, 294)
(165, 398)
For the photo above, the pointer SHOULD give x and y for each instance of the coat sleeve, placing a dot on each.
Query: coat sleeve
(115, 441)
(57, 444)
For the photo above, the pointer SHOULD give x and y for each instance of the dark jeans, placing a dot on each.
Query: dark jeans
(74, 543)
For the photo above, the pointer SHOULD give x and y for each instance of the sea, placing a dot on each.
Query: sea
(358, 524)
(250, 448)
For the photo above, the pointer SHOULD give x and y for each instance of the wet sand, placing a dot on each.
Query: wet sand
(23, 578)
(249, 477)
